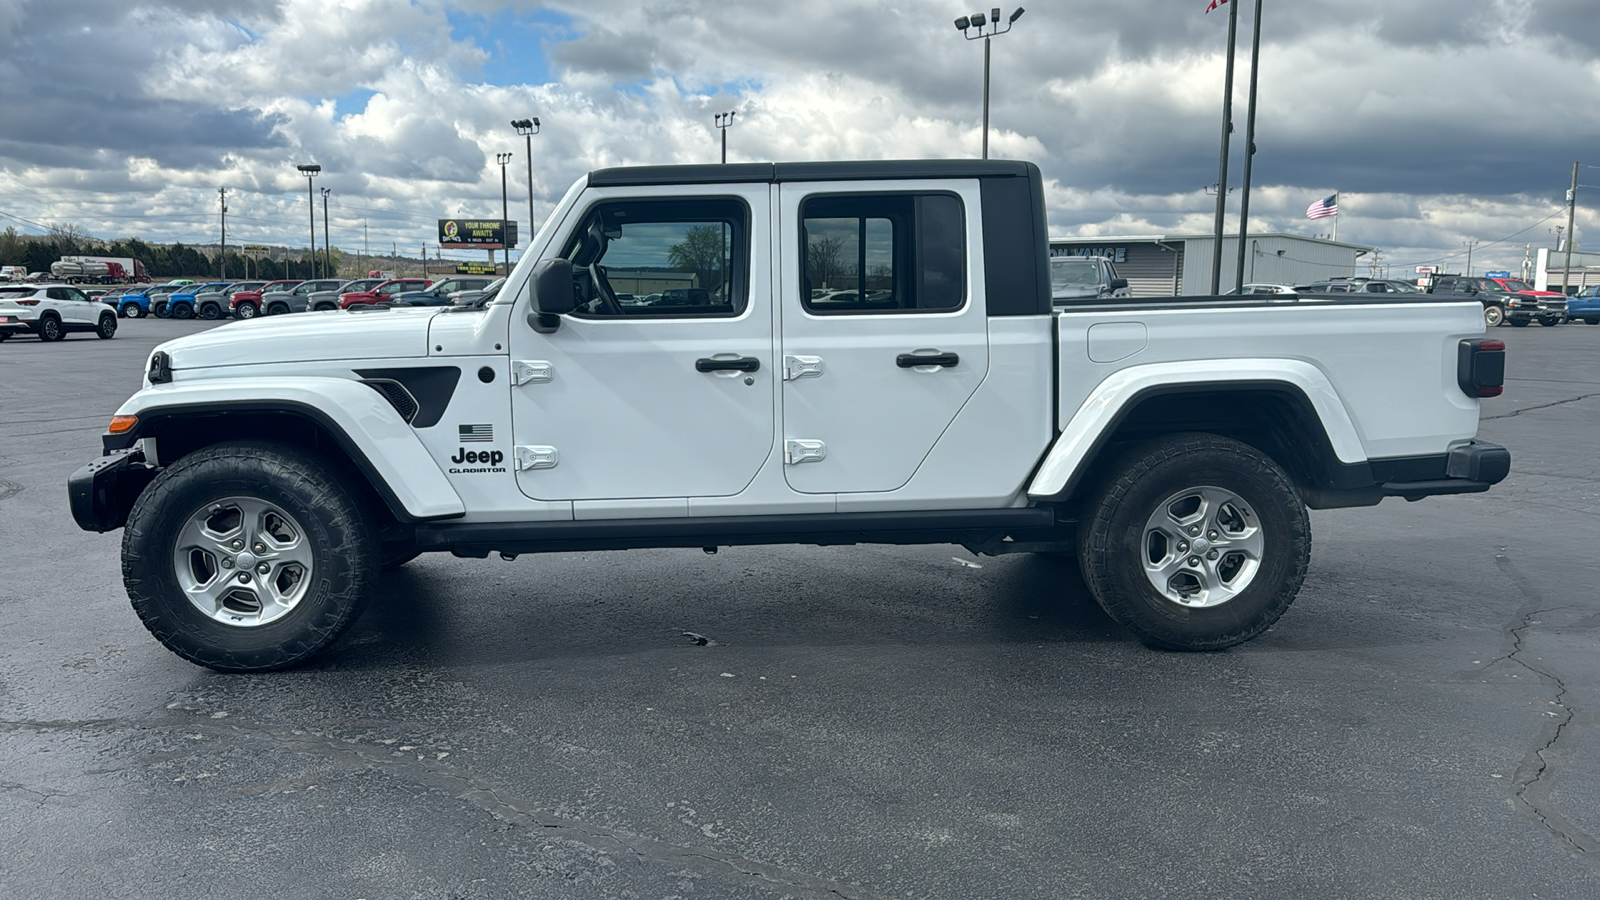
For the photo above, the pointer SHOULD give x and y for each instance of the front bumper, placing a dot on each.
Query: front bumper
(101, 493)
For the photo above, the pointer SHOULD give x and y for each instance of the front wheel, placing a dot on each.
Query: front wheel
(107, 328)
(1518, 323)
(1591, 321)
(133, 311)
(1493, 315)
(1550, 321)
(183, 311)
(248, 556)
(210, 311)
(1197, 542)
(161, 310)
(246, 311)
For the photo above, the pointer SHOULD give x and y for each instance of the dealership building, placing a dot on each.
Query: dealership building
(1167, 265)
(1549, 267)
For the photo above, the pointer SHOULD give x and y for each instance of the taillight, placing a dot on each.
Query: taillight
(1481, 367)
(27, 302)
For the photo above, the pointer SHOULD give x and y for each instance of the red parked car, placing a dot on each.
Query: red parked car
(382, 292)
(247, 304)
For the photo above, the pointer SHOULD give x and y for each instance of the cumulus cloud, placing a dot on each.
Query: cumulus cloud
(1436, 123)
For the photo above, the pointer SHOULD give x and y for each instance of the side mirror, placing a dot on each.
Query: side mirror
(551, 287)
(1118, 284)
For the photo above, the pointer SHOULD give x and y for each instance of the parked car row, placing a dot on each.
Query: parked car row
(1504, 299)
(248, 299)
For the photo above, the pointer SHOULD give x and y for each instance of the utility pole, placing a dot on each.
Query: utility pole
(505, 229)
(222, 258)
(1572, 207)
(327, 248)
(1222, 163)
(1249, 148)
(366, 249)
(1469, 245)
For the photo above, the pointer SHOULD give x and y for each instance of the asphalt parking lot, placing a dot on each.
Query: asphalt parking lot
(862, 722)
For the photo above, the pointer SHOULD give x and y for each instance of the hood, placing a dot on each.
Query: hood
(305, 337)
(1075, 293)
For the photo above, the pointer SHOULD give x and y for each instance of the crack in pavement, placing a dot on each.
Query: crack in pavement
(1535, 776)
(349, 756)
(1517, 412)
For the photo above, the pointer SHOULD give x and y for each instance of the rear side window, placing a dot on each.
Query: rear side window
(882, 253)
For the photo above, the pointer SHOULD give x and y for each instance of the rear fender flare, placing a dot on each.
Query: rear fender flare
(1097, 418)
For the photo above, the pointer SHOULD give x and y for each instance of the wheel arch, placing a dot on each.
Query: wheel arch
(1316, 444)
(383, 454)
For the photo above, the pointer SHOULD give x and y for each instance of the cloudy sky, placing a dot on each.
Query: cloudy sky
(1436, 121)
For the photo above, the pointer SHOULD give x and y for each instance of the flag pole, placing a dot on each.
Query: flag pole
(1222, 164)
(1336, 224)
(1249, 147)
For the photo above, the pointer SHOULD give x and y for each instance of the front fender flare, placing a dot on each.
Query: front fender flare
(1097, 417)
(366, 427)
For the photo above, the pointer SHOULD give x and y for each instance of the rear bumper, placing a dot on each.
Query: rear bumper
(101, 493)
(1470, 467)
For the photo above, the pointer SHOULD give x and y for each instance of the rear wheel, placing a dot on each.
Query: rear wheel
(50, 329)
(248, 556)
(1198, 542)
(107, 329)
(1493, 315)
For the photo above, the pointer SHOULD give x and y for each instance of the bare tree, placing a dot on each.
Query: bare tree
(823, 260)
(701, 251)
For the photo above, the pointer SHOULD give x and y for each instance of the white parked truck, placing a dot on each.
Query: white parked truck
(99, 269)
(267, 471)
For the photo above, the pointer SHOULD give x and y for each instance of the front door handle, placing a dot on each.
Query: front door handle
(739, 364)
(913, 360)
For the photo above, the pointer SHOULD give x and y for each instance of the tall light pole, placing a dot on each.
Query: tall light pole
(724, 120)
(505, 235)
(327, 247)
(967, 25)
(1572, 207)
(310, 171)
(1222, 161)
(528, 128)
(1469, 245)
(222, 258)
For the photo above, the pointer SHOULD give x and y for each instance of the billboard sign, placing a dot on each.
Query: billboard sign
(1498, 273)
(475, 269)
(476, 234)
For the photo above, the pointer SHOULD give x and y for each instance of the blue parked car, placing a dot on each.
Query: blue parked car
(181, 305)
(134, 303)
(1585, 305)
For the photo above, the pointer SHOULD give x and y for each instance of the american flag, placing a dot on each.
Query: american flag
(1321, 209)
(1214, 4)
(476, 433)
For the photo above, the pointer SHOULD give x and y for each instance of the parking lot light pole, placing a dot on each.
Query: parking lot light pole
(310, 171)
(222, 258)
(505, 230)
(972, 28)
(327, 247)
(528, 128)
(723, 121)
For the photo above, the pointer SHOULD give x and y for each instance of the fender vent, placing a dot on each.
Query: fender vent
(397, 395)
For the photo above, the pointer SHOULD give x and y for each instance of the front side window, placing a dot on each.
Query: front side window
(882, 253)
(691, 256)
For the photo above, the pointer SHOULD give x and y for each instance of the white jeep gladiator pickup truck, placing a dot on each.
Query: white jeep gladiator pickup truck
(817, 353)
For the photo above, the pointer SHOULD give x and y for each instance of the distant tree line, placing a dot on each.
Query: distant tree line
(37, 252)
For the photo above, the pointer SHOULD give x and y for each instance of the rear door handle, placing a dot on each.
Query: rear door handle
(913, 360)
(740, 364)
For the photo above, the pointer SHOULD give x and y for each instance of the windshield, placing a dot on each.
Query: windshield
(242, 286)
(1074, 273)
(366, 284)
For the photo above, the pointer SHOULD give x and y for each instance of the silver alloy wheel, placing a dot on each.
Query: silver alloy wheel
(247, 311)
(243, 561)
(1202, 546)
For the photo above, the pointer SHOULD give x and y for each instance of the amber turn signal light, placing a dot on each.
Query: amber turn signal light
(122, 424)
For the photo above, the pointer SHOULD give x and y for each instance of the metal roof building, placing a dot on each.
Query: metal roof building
(1167, 265)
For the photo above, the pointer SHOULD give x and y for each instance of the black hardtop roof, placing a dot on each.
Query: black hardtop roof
(857, 170)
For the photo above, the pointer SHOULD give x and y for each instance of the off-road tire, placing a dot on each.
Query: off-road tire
(107, 329)
(1113, 543)
(341, 539)
(50, 328)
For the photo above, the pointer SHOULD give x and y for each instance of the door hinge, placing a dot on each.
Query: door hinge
(535, 458)
(532, 371)
(801, 367)
(797, 452)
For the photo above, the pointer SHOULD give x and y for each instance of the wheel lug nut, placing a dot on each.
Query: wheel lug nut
(238, 545)
(244, 577)
(264, 568)
(1213, 555)
(259, 547)
(1183, 546)
(1212, 535)
(1194, 560)
(227, 562)
(1194, 529)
